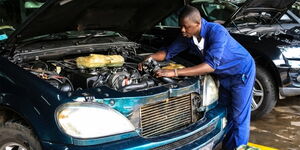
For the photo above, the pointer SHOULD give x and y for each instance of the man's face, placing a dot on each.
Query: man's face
(189, 28)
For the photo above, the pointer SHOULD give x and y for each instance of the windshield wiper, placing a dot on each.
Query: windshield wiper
(85, 39)
(96, 34)
(54, 36)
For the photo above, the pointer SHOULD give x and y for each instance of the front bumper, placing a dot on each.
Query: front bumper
(206, 132)
(289, 91)
(290, 80)
(291, 83)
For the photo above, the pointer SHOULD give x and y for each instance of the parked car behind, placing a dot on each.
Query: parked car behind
(269, 30)
(69, 80)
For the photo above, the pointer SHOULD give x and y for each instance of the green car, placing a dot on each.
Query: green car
(69, 80)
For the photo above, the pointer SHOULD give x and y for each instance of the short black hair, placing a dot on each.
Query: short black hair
(190, 12)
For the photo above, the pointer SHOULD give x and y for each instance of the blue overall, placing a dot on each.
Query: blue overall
(235, 69)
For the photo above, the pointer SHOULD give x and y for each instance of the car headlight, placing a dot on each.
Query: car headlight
(91, 120)
(290, 51)
(210, 91)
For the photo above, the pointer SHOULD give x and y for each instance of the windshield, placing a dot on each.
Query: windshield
(221, 10)
(211, 10)
(215, 11)
(5, 31)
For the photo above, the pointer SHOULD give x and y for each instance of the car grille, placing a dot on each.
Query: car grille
(187, 140)
(165, 116)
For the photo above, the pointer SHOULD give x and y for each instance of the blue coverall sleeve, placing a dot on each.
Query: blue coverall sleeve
(214, 52)
(177, 46)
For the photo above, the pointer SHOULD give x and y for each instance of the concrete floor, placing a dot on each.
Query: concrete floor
(281, 128)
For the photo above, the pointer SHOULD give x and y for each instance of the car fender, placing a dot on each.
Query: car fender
(33, 99)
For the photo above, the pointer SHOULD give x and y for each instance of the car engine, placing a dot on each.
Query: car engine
(71, 74)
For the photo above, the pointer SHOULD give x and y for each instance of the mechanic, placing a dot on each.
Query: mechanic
(223, 56)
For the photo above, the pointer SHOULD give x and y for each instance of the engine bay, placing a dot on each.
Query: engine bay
(75, 73)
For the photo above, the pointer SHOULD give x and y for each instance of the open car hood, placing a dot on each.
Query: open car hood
(272, 9)
(129, 17)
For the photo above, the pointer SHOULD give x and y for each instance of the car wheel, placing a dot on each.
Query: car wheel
(15, 136)
(264, 94)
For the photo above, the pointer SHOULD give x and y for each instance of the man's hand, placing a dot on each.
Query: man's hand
(200, 69)
(165, 73)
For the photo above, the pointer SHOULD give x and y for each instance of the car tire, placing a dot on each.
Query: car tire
(264, 93)
(17, 136)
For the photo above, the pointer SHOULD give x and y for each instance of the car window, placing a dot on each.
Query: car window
(5, 31)
(293, 15)
(29, 6)
(211, 11)
(296, 8)
(171, 21)
(217, 11)
(286, 19)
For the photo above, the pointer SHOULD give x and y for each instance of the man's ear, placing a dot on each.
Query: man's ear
(199, 25)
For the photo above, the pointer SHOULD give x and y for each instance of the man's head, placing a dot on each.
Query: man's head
(190, 21)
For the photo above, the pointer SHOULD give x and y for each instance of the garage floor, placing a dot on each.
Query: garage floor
(281, 128)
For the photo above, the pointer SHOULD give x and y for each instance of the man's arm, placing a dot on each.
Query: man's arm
(172, 50)
(159, 56)
(177, 46)
(200, 69)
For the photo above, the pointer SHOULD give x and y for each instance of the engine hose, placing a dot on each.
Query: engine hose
(168, 80)
(138, 86)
